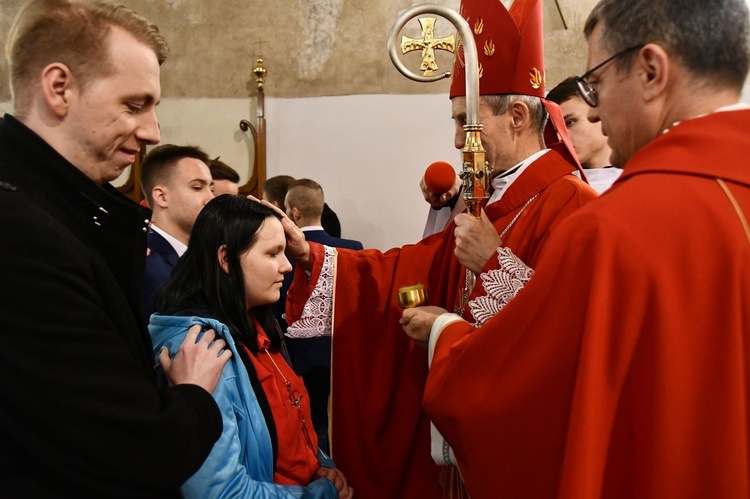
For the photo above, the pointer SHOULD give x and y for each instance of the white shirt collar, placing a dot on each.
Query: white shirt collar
(311, 228)
(601, 179)
(504, 180)
(178, 246)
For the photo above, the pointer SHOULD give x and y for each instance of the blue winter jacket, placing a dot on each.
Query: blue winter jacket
(240, 464)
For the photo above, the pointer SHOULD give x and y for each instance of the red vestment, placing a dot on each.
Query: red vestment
(380, 434)
(622, 369)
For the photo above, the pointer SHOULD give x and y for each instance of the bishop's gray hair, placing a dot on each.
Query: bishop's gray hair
(501, 103)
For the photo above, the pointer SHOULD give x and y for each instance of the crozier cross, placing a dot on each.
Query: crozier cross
(428, 45)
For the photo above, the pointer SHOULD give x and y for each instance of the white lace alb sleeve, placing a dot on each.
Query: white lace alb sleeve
(501, 285)
(317, 314)
(440, 450)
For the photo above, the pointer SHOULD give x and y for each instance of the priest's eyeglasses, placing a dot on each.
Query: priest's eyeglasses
(588, 90)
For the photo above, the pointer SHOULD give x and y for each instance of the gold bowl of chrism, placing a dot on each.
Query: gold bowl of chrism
(412, 296)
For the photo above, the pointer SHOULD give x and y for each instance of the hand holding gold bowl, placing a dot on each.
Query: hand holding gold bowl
(412, 296)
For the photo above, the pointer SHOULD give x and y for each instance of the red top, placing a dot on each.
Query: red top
(296, 462)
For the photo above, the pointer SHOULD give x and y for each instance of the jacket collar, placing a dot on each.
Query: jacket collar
(705, 146)
(537, 176)
(43, 165)
(164, 327)
(113, 225)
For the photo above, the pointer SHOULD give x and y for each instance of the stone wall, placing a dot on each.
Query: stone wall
(337, 110)
(311, 47)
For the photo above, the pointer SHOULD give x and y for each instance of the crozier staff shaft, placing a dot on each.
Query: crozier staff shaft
(475, 172)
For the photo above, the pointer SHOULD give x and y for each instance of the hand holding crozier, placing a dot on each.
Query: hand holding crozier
(477, 241)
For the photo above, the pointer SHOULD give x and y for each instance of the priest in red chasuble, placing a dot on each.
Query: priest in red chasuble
(380, 435)
(622, 368)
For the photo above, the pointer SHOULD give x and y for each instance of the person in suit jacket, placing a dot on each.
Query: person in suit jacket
(311, 357)
(177, 184)
(274, 191)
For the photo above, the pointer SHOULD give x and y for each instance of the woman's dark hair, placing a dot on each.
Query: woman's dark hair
(199, 284)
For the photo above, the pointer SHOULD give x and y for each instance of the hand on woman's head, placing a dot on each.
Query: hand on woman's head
(297, 247)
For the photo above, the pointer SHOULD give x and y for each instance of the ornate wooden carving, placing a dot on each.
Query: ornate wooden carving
(258, 171)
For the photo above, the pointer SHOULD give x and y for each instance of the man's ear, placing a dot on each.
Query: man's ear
(160, 196)
(222, 256)
(519, 114)
(57, 85)
(655, 68)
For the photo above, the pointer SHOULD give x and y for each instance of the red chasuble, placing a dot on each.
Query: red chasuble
(622, 369)
(380, 434)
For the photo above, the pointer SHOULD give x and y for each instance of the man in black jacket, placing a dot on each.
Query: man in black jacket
(81, 412)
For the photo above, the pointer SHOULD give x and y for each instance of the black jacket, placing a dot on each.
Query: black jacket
(81, 413)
